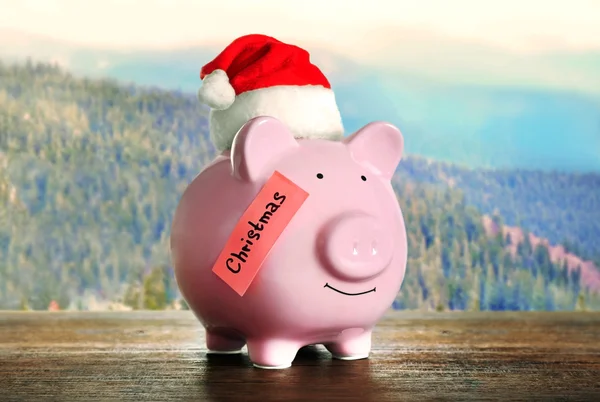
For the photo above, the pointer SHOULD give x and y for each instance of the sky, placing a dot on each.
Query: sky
(541, 43)
(347, 25)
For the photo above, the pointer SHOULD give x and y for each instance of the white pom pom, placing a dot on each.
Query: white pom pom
(216, 91)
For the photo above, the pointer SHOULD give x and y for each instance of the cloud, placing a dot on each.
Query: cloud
(102, 64)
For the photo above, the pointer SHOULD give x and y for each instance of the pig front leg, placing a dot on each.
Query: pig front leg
(223, 342)
(272, 353)
(351, 346)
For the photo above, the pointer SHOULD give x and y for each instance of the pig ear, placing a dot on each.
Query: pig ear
(378, 146)
(257, 144)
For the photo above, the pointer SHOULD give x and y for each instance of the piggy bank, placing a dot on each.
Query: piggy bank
(335, 268)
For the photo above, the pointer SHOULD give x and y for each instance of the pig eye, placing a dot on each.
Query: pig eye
(319, 175)
(363, 178)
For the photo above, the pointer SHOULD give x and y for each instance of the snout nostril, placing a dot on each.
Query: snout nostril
(356, 247)
(374, 248)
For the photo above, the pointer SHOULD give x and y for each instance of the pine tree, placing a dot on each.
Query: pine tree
(539, 295)
(580, 306)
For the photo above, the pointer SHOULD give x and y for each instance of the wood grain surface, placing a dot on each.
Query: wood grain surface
(161, 356)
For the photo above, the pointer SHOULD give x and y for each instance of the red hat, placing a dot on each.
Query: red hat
(257, 75)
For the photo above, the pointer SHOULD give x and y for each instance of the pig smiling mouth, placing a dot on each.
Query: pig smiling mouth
(349, 294)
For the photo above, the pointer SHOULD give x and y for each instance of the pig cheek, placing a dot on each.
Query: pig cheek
(293, 268)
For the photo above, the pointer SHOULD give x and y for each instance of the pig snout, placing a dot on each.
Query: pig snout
(356, 246)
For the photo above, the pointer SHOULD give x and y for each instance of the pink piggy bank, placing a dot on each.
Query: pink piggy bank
(336, 267)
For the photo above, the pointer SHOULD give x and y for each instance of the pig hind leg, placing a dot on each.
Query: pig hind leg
(352, 347)
(224, 342)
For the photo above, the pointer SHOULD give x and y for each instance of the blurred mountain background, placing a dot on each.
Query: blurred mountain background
(101, 132)
(538, 112)
(93, 170)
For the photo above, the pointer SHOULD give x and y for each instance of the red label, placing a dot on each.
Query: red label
(257, 231)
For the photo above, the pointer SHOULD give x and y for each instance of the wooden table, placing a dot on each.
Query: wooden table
(160, 356)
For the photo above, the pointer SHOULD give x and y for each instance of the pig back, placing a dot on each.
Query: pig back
(206, 215)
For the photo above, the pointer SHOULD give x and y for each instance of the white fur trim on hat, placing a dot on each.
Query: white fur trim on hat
(216, 91)
(309, 111)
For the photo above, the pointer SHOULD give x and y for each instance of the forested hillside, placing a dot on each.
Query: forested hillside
(92, 172)
(562, 207)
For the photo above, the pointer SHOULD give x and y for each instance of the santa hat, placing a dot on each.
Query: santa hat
(257, 75)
